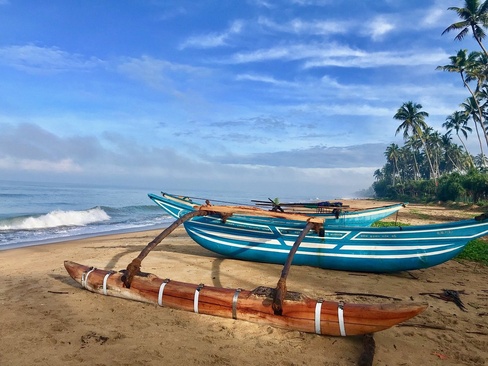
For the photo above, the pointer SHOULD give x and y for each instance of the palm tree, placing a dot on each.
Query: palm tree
(463, 160)
(413, 147)
(413, 123)
(433, 140)
(482, 95)
(481, 161)
(392, 154)
(407, 164)
(451, 154)
(461, 63)
(478, 71)
(458, 121)
(472, 67)
(378, 175)
(471, 109)
(474, 17)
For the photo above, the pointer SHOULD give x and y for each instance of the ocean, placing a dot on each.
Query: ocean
(40, 213)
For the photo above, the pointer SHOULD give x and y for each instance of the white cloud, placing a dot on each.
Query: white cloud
(33, 58)
(212, 40)
(264, 79)
(127, 158)
(311, 2)
(160, 74)
(351, 109)
(45, 166)
(379, 27)
(334, 54)
(355, 59)
(436, 16)
(263, 3)
(307, 27)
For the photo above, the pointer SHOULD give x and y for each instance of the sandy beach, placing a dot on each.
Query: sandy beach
(46, 318)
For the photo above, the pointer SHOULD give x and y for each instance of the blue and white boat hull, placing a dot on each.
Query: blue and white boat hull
(364, 249)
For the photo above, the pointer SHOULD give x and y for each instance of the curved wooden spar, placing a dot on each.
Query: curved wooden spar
(280, 293)
(135, 265)
(299, 311)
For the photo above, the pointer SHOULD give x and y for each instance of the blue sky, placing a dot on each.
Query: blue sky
(290, 97)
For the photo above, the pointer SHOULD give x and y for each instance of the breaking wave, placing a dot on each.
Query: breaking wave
(55, 219)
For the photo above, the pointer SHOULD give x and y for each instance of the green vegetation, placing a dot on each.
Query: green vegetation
(476, 251)
(430, 166)
(421, 215)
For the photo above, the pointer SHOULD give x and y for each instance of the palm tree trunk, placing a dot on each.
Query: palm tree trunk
(429, 160)
(452, 162)
(485, 132)
(478, 40)
(478, 107)
(465, 148)
(398, 171)
(416, 168)
(419, 133)
(480, 113)
(479, 138)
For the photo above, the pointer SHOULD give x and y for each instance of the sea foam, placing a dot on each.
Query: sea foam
(56, 218)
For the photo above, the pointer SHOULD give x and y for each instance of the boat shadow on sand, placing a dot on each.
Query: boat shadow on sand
(191, 254)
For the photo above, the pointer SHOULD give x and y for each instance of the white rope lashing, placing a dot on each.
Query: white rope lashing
(195, 299)
(318, 310)
(161, 290)
(84, 277)
(105, 282)
(234, 303)
(340, 315)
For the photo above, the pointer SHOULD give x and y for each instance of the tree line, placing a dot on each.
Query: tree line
(431, 165)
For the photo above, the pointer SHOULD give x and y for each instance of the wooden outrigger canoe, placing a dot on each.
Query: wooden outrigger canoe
(299, 312)
(248, 233)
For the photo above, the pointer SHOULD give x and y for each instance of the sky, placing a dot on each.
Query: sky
(277, 98)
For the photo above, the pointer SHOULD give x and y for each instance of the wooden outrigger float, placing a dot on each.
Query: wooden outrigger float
(299, 312)
(275, 307)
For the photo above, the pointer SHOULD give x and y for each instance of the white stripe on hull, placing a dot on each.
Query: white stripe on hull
(322, 254)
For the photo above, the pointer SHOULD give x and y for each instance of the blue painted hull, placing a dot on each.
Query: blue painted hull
(364, 249)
